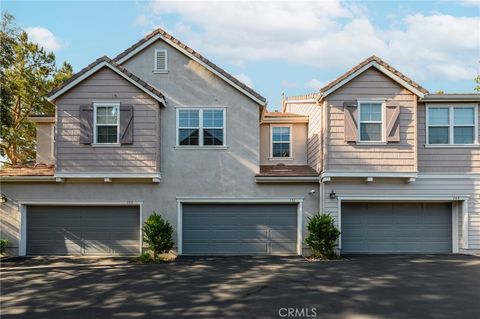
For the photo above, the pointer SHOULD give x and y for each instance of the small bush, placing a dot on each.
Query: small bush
(157, 234)
(3, 245)
(322, 236)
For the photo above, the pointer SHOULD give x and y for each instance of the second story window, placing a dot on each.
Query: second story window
(201, 127)
(456, 125)
(371, 121)
(281, 142)
(106, 123)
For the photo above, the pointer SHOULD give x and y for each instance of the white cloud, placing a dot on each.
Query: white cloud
(45, 38)
(315, 84)
(472, 3)
(288, 84)
(245, 79)
(323, 34)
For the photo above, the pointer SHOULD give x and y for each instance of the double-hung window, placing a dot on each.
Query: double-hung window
(281, 142)
(106, 123)
(201, 127)
(371, 121)
(455, 125)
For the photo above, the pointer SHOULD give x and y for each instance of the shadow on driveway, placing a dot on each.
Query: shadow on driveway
(418, 286)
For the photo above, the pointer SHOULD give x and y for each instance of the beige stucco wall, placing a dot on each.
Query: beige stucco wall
(315, 136)
(299, 145)
(44, 148)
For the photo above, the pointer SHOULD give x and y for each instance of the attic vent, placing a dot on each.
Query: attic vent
(160, 60)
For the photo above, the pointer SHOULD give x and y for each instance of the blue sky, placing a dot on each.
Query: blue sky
(291, 47)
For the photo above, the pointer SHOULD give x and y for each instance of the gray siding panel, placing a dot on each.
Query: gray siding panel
(379, 228)
(240, 229)
(462, 160)
(393, 157)
(140, 157)
(82, 230)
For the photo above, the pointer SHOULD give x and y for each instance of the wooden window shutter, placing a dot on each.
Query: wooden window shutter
(392, 115)
(350, 111)
(86, 124)
(126, 124)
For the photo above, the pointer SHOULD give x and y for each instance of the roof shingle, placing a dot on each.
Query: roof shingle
(29, 170)
(282, 170)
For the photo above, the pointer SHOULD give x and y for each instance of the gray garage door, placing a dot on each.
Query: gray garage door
(82, 230)
(210, 229)
(379, 228)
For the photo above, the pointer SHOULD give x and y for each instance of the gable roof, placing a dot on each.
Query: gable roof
(96, 66)
(194, 55)
(380, 65)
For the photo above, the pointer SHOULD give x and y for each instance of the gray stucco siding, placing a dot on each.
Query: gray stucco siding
(161, 197)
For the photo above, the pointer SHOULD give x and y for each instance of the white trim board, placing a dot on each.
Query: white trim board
(93, 71)
(191, 56)
(421, 199)
(382, 69)
(236, 200)
(22, 240)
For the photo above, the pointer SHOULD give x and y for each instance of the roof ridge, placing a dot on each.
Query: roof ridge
(168, 36)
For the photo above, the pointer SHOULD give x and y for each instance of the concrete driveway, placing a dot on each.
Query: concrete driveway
(363, 287)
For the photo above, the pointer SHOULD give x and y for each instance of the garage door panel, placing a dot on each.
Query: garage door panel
(396, 228)
(239, 229)
(89, 230)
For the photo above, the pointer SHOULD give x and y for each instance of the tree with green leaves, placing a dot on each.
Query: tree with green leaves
(27, 74)
(477, 81)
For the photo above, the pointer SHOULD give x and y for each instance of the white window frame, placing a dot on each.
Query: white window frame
(290, 126)
(200, 127)
(155, 66)
(105, 104)
(382, 122)
(451, 125)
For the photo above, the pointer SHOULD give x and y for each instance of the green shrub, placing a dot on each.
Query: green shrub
(157, 234)
(144, 258)
(3, 245)
(322, 236)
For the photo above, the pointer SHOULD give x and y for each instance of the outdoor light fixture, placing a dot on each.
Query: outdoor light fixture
(333, 195)
(3, 199)
(312, 192)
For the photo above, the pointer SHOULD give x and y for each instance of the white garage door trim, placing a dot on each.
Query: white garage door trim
(22, 241)
(456, 208)
(229, 200)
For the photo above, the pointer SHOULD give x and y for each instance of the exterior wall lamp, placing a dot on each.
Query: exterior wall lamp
(332, 194)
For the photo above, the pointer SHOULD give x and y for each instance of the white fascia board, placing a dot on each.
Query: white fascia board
(381, 69)
(284, 200)
(286, 120)
(191, 56)
(370, 174)
(408, 198)
(285, 179)
(300, 101)
(449, 176)
(93, 71)
(108, 175)
(27, 179)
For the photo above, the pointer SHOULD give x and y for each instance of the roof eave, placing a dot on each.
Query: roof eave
(51, 98)
(382, 69)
